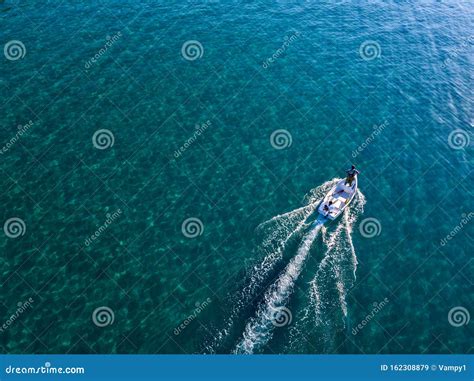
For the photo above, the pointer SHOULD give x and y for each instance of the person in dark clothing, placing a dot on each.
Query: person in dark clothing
(327, 208)
(351, 174)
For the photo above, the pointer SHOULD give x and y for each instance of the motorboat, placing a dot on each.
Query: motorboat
(337, 199)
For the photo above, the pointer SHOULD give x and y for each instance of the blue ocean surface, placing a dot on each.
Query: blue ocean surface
(162, 162)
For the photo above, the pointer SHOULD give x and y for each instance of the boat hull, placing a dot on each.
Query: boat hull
(341, 195)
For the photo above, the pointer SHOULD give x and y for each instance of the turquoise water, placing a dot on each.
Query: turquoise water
(385, 86)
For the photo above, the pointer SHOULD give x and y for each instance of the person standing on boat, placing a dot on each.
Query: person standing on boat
(351, 174)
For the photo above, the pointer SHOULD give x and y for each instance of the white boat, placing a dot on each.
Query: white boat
(340, 196)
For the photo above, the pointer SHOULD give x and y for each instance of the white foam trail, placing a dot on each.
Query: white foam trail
(283, 225)
(341, 290)
(326, 262)
(259, 272)
(335, 259)
(260, 328)
(335, 276)
(288, 215)
(282, 228)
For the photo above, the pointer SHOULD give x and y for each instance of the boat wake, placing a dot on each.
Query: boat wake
(327, 306)
(273, 313)
(339, 263)
(326, 299)
(277, 233)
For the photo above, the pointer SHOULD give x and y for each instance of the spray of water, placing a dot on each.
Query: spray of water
(259, 330)
(335, 275)
(256, 276)
(339, 264)
(277, 233)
